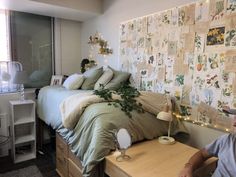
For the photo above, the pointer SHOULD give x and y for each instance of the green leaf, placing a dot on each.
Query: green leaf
(127, 103)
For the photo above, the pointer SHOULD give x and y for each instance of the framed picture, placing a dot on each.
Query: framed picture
(56, 80)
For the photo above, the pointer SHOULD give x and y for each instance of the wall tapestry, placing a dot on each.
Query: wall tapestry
(187, 52)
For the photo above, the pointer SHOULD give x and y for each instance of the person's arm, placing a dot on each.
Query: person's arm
(194, 163)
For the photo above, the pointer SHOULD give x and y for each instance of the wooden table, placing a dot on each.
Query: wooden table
(151, 159)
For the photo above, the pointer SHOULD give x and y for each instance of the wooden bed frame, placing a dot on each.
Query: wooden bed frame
(68, 165)
(149, 153)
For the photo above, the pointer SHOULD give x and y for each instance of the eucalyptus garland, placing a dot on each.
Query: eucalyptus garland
(127, 103)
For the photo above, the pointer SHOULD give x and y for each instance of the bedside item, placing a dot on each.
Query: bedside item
(74, 81)
(56, 80)
(166, 115)
(152, 159)
(124, 142)
(23, 130)
(21, 78)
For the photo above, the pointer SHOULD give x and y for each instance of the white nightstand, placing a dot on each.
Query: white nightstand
(23, 130)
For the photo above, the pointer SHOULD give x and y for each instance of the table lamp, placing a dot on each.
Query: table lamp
(166, 115)
(21, 78)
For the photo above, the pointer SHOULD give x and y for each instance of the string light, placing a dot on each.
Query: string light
(188, 119)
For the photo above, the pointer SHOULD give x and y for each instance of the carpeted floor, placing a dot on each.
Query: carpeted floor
(31, 171)
(45, 163)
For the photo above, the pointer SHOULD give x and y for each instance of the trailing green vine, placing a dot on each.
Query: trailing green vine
(127, 101)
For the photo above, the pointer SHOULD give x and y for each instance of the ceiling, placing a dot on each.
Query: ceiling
(79, 10)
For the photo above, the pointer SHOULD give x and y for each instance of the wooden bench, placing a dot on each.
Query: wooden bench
(148, 159)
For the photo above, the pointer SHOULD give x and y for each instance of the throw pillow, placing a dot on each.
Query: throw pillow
(74, 81)
(118, 78)
(91, 77)
(104, 79)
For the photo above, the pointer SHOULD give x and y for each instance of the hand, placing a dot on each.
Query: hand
(226, 108)
(186, 172)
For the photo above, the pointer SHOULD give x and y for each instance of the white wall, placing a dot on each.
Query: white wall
(67, 46)
(200, 136)
(117, 11)
(92, 6)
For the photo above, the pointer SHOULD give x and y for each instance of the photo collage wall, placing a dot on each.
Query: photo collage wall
(188, 52)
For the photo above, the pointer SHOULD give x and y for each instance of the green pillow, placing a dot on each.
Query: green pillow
(91, 77)
(118, 78)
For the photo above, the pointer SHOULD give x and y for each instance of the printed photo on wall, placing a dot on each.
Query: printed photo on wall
(56, 80)
(216, 10)
(151, 25)
(199, 42)
(144, 73)
(201, 11)
(215, 36)
(231, 6)
(172, 47)
(230, 38)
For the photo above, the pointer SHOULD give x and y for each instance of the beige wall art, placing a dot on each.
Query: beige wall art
(188, 52)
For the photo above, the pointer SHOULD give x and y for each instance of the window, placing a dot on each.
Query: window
(31, 45)
(26, 43)
(4, 36)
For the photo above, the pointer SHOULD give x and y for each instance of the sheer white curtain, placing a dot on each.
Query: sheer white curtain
(7, 68)
(4, 36)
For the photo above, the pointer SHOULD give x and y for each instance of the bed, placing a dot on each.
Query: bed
(91, 138)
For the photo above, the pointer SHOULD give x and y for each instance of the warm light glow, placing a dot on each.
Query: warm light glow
(188, 119)
(4, 42)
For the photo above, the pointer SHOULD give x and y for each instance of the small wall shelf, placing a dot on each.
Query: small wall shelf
(23, 130)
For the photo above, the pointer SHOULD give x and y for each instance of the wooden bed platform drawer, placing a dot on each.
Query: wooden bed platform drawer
(61, 145)
(61, 157)
(74, 170)
(62, 165)
(75, 166)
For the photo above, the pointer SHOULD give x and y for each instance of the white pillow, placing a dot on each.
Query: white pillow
(104, 79)
(74, 81)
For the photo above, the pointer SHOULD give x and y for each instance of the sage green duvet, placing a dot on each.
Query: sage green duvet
(93, 136)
